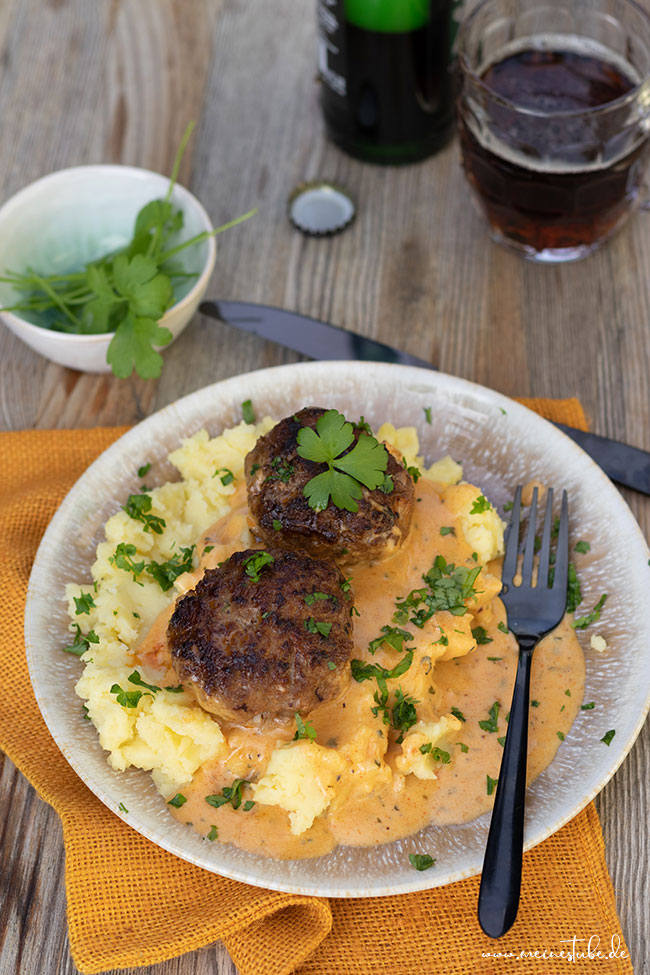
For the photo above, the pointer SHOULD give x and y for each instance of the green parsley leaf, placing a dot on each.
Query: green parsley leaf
(582, 547)
(277, 525)
(135, 678)
(393, 637)
(404, 714)
(247, 411)
(421, 861)
(427, 414)
(132, 347)
(347, 470)
(491, 785)
(128, 699)
(534, 704)
(362, 671)
(208, 548)
(494, 660)
(588, 707)
(317, 626)
(502, 741)
(122, 558)
(490, 724)
(304, 729)
(480, 635)
(560, 735)
(437, 754)
(84, 604)
(607, 737)
(227, 477)
(178, 801)
(314, 597)
(138, 507)
(144, 470)
(568, 692)
(387, 485)
(592, 617)
(81, 642)
(230, 795)
(463, 747)
(331, 665)
(213, 834)
(122, 808)
(280, 471)
(457, 713)
(254, 564)
(480, 505)
(447, 530)
(502, 627)
(448, 588)
(166, 573)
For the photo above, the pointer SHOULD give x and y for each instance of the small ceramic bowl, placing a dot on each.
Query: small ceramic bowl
(73, 216)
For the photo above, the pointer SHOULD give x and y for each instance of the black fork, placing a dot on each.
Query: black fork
(533, 611)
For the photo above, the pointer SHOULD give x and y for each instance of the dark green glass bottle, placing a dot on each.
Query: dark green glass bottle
(385, 68)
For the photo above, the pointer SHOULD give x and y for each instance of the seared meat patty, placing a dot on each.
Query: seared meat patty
(280, 513)
(265, 633)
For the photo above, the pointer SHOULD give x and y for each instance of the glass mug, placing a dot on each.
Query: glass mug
(554, 119)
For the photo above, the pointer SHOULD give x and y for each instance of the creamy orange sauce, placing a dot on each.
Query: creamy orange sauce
(374, 802)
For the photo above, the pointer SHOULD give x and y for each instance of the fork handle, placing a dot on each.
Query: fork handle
(498, 898)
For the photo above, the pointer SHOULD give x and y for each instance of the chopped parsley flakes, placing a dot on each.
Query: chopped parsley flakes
(318, 626)
(231, 795)
(592, 617)
(178, 801)
(480, 505)
(304, 729)
(480, 635)
(84, 603)
(247, 411)
(491, 785)
(607, 737)
(490, 724)
(254, 564)
(138, 507)
(421, 861)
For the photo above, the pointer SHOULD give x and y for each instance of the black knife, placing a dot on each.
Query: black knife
(629, 466)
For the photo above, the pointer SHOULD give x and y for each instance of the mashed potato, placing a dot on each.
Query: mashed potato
(145, 722)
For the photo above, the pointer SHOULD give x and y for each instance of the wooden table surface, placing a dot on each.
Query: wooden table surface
(117, 81)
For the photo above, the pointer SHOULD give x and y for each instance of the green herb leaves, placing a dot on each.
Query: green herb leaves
(126, 292)
(317, 626)
(607, 737)
(347, 470)
(421, 861)
(448, 587)
(592, 617)
(254, 564)
(490, 724)
(304, 729)
(164, 573)
(231, 795)
(81, 642)
(138, 507)
(480, 505)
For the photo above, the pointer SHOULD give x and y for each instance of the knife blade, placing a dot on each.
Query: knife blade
(626, 465)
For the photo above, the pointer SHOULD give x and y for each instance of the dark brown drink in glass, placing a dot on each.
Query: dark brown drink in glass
(554, 120)
(569, 204)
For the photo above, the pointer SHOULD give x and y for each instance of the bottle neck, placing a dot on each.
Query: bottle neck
(387, 16)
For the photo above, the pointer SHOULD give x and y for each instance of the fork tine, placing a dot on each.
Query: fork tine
(529, 548)
(512, 541)
(545, 550)
(562, 557)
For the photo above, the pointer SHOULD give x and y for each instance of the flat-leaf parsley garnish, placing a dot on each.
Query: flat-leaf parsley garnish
(421, 861)
(317, 626)
(138, 507)
(480, 505)
(314, 597)
(247, 411)
(347, 470)
(178, 801)
(166, 573)
(81, 641)
(607, 737)
(231, 795)
(480, 635)
(128, 699)
(304, 729)
(227, 476)
(84, 603)
(254, 564)
(393, 637)
(122, 558)
(404, 715)
(136, 678)
(490, 724)
(592, 617)
(362, 671)
(448, 587)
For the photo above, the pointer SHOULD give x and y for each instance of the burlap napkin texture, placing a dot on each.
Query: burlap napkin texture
(131, 904)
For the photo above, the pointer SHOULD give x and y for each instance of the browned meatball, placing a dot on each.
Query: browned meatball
(279, 511)
(266, 633)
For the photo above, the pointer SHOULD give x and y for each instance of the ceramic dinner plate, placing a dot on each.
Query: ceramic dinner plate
(500, 444)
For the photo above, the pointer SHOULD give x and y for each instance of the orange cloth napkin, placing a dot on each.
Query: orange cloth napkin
(131, 903)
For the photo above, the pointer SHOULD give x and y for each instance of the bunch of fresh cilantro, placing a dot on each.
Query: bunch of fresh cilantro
(126, 292)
